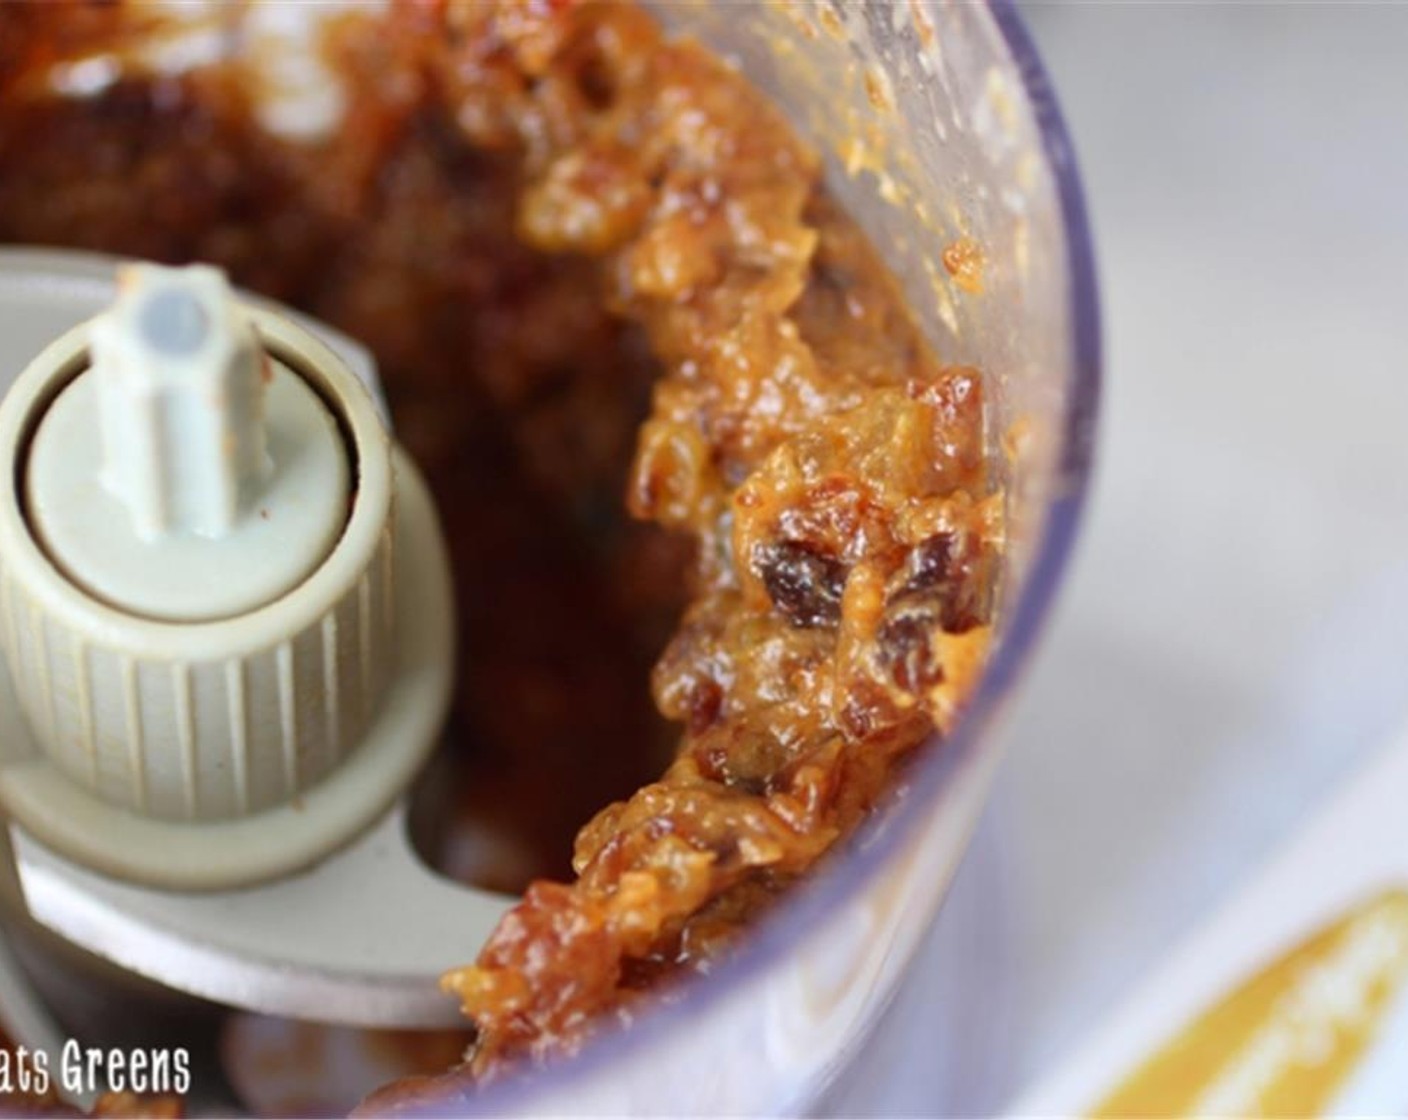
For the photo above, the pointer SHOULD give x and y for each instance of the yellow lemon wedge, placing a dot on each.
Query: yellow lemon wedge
(1285, 1040)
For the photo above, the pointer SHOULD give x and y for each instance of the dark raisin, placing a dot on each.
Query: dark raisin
(595, 83)
(907, 650)
(945, 575)
(744, 760)
(963, 609)
(805, 585)
(833, 276)
(930, 562)
(704, 702)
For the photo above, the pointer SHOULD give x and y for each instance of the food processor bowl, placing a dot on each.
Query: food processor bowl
(942, 137)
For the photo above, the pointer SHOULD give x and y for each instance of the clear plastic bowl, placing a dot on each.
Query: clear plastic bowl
(938, 122)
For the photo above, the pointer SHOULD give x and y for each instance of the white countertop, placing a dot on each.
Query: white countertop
(1235, 628)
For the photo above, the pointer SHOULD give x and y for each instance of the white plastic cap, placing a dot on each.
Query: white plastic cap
(187, 475)
(180, 385)
(191, 707)
(209, 635)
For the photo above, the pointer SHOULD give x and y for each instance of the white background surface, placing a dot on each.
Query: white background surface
(1235, 631)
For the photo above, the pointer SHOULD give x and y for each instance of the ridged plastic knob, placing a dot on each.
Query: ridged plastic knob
(205, 628)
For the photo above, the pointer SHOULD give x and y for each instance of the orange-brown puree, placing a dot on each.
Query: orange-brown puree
(593, 261)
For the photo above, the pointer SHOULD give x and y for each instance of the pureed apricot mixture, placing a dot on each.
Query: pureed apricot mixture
(591, 262)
